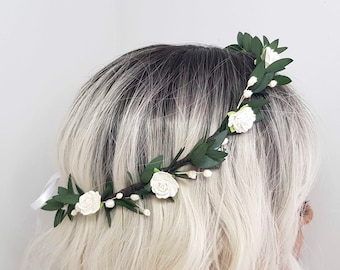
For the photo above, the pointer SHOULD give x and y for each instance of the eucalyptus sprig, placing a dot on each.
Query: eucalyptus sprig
(267, 62)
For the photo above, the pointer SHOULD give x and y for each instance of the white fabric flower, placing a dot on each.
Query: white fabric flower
(134, 197)
(272, 83)
(242, 120)
(247, 93)
(252, 80)
(163, 185)
(119, 195)
(146, 212)
(89, 203)
(192, 174)
(110, 203)
(207, 173)
(270, 56)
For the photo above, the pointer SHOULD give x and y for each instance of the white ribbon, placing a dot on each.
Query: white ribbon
(47, 192)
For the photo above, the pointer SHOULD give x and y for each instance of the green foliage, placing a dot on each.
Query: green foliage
(147, 173)
(264, 75)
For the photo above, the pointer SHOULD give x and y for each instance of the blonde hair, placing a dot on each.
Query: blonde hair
(154, 101)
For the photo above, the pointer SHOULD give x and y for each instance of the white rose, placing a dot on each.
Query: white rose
(242, 120)
(89, 203)
(163, 185)
(270, 56)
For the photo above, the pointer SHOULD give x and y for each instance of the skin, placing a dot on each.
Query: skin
(306, 217)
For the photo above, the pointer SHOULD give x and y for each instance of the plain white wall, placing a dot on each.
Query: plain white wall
(48, 49)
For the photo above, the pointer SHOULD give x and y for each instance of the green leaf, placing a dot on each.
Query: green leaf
(108, 190)
(123, 202)
(247, 41)
(130, 176)
(218, 139)
(206, 163)
(257, 103)
(62, 190)
(108, 215)
(59, 216)
(67, 198)
(261, 85)
(52, 205)
(256, 47)
(240, 39)
(143, 192)
(259, 115)
(234, 47)
(80, 191)
(146, 175)
(279, 65)
(148, 187)
(265, 41)
(198, 153)
(274, 44)
(69, 210)
(282, 80)
(281, 50)
(69, 185)
(224, 125)
(258, 72)
(217, 155)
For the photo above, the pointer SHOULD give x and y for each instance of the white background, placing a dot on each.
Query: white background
(48, 49)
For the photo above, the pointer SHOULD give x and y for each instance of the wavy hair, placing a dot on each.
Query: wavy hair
(154, 101)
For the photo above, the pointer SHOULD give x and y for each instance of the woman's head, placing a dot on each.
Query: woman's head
(154, 101)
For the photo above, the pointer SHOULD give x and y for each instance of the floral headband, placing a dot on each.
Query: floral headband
(159, 180)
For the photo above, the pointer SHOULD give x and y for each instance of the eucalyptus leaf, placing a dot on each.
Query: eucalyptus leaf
(67, 198)
(126, 205)
(281, 49)
(282, 80)
(265, 41)
(247, 41)
(108, 215)
(80, 191)
(216, 155)
(258, 72)
(257, 103)
(261, 85)
(218, 139)
(274, 44)
(108, 190)
(240, 39)
(69, 185)
(146, 175)
(130, 176)
(70, 207)
(52, 205)
(234, 47)
(224, 125)
(198, 154)
(59, 216)
(279, 65)
(206, 162)
(62, 190)
(256, 47)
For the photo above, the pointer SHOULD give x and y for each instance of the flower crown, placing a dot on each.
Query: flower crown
(208, 153)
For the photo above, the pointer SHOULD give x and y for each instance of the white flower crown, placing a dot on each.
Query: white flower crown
(207, 154)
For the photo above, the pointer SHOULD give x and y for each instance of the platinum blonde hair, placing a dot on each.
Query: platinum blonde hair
(154, 101)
